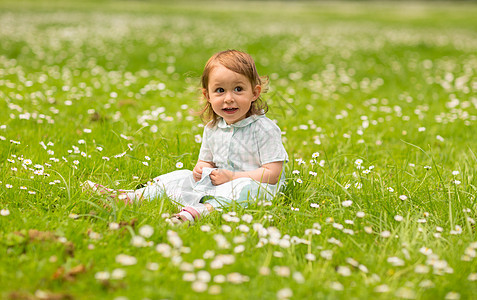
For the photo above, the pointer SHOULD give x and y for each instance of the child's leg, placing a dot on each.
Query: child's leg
(149, 192)
(208, 204)
(170, 185)
(155, 189)
(240, 192)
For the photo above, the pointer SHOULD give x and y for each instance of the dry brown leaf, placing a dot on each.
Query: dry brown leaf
(127, 102)
(20, 296)
(77, 270)
(71, 274)
(70, 249)
(95, 117)
(131, 223)
(36, 235)
(58, 273)
(55, 296)
(16, 295)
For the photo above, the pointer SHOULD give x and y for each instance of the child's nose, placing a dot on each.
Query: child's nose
(229, 97)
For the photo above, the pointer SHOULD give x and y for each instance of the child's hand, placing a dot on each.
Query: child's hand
(197, 172)
(221, 176)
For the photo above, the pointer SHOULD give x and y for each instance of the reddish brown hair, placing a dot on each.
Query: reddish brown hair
(241, 63)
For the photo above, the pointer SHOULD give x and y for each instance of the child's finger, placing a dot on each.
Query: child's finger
(213, 179)
(197, 176)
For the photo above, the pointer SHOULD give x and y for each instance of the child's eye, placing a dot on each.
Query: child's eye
(238, 89)
(219, 90)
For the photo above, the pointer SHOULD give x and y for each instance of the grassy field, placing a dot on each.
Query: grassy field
(377, 103)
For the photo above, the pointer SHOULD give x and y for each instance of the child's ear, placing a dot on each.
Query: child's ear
(256, 92)
(206, 94)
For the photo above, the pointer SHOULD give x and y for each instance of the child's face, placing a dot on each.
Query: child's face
(230, 94)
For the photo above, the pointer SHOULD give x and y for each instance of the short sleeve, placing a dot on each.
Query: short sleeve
(269, 142)
(205, 153)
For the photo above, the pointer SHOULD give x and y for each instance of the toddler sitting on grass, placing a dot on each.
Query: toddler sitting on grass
(241, 157)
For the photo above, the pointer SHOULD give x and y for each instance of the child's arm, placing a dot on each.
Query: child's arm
(197, 172)
(267, 173)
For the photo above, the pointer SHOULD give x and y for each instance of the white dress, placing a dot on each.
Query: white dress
(242, 146)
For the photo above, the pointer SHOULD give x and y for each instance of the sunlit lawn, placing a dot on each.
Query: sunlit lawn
(378, 107)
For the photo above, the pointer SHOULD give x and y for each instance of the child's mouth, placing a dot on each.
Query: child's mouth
(230, 110)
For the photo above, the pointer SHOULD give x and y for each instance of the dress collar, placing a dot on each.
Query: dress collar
(241, 123)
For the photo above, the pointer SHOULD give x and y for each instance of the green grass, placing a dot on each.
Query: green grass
(393, 85)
